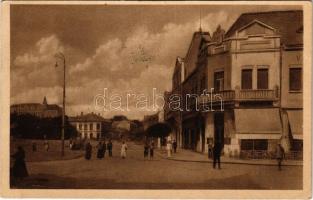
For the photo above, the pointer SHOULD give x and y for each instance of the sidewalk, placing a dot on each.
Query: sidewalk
(191, 156)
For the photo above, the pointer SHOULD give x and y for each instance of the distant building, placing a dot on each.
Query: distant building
(43, 110)
(89, 125)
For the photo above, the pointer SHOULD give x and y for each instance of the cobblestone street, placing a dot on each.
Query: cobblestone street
(136, 173)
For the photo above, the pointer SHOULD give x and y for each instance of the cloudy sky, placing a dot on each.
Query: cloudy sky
(127, 49)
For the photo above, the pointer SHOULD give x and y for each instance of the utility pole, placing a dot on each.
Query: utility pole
(62, 57)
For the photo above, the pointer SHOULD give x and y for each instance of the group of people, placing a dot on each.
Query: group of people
(102, 147)
(148, 150)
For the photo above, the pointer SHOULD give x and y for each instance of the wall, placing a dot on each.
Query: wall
(290, 99)
(219, 62)
(85, 133)
(242, 60)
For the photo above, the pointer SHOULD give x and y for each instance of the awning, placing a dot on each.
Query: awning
(296, 123)
(258, 123)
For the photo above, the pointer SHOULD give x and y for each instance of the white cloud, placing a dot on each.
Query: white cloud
(140, 62)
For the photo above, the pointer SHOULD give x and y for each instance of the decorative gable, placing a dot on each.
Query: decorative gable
(256, 28)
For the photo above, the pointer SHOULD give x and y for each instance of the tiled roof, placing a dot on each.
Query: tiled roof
(287, 23)
(90, 117)
(53, 107)
(26, 104)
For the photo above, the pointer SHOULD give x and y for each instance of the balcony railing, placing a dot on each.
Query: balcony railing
(225, 95)
(256, 95)
(239, 95)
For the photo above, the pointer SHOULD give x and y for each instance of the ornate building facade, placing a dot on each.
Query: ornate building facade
(256, 69)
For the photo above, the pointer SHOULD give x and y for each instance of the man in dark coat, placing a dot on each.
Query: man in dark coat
(217, 154)
(146, 150)
(100, 153)
(88, 151)
(175, 146)
(151, 149)
(19, 169)
(110, 146)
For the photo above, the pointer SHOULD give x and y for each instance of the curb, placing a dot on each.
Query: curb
(227, 162)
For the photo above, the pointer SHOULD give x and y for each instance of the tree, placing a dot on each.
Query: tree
(32, 127)
(159, 130)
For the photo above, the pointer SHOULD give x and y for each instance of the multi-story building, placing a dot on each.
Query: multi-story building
(43, 110)
(254, 71)
(89, 125)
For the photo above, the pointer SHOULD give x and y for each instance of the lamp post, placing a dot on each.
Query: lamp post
(62, 57)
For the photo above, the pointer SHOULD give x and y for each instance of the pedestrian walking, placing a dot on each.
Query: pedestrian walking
(169, 148)
(71, 144)
(110, 147)
(210, 150)
(100, 152)
(104, 148)
(19, 169)
(151, 150)
(280, 154)
(88, 151)
(175, 146)
(34, 146)
(123, 150)
(217, 149)
(146, 150)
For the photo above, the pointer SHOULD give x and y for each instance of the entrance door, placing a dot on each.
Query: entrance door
(219, 128)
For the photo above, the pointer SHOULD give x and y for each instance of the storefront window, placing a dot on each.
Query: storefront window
(257, 145)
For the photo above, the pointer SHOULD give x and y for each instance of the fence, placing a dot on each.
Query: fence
(263, 154)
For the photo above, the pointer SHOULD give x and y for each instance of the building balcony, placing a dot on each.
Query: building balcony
(256, 95)
(232, 96)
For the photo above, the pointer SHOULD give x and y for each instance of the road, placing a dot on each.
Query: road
(136, 173)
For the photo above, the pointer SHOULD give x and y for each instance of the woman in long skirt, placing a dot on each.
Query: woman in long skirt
(88, 151)
(123, 150)
(100, 150)
(19, 169)
(146, 151)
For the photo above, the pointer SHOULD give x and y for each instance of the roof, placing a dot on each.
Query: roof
(53, 107)
(90, 117)
(287, 23)
(26, 104)
(204, 35)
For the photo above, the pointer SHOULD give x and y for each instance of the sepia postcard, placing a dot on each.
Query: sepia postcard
(178, 99)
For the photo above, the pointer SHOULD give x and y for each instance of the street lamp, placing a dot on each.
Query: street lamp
(62, 57)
